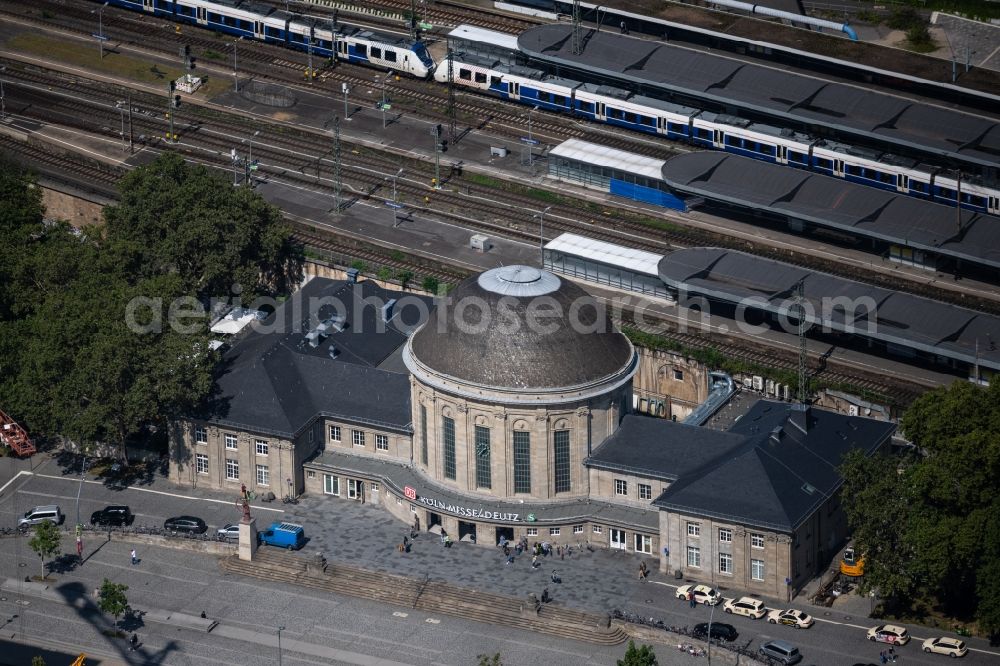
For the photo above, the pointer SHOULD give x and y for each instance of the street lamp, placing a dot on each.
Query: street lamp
(248, 173)
(280, 629)
(100, 26)
(709, 637)
(541, 233)
(531, 139)
(394, 178)
(236, 78)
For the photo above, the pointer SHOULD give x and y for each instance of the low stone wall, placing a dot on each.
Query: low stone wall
(665, 641)
(212, 546)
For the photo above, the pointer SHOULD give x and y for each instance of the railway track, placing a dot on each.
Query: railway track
(351, 249)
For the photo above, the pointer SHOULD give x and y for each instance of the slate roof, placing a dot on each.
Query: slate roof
(272, 381)
(660, 449)
(769, 90)
(831, 202)
(780, 474)
(892, 317)
(485, 337)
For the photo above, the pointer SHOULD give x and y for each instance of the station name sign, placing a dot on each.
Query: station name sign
(465, 512)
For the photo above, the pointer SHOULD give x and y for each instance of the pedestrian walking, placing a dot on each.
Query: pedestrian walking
(534, 561)
(135, 557)
(133, 643)
(643, 572)
(883, 658)
(691, 600)
(79, 548)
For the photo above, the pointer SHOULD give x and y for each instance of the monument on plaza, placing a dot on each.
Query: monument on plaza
(248, 527)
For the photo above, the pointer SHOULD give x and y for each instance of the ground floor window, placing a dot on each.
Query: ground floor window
(531, 531)
(331, 484)
(355, 489)
(382, 442)
(598, 529)
(694, 556)
(263, 475)
(202, 461)
(725, 563)
(757, 569)
(578, 529)
(232, 470)
(554, 531)
(643, 543)
(374, 487)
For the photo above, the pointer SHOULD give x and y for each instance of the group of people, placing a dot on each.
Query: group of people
(888, 656)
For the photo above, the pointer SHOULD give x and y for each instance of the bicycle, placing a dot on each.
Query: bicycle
(288, 499)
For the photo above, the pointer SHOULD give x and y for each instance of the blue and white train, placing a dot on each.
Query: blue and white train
(264, 23)
(705, 129)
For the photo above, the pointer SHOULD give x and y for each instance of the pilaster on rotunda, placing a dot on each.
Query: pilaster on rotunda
(519, 373)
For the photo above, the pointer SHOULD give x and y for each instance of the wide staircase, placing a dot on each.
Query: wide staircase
(432, 596)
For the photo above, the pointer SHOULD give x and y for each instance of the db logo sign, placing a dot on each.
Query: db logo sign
(409, 493)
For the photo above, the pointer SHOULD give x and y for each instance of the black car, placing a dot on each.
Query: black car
(720, 631)
(112, 515)
(185, 524)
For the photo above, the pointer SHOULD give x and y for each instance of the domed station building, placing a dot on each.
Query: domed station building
(503, 410)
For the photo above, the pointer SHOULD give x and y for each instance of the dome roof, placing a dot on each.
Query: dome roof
(518, 327)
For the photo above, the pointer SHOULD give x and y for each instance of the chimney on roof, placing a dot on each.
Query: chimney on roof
(799, 417)
(387, 310)
(776, 434)
(352, 275)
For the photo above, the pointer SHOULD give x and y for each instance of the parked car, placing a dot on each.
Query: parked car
(782, 651)
(746, 606)
(229, 532)
(284, 535)
(189, 524)
(945, 645)
(703, 594)
(791, 617)
(889, 633)
(720, 631)
(117, 514)
(40, 514)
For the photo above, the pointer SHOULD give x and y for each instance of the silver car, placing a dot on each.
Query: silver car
(228, 532)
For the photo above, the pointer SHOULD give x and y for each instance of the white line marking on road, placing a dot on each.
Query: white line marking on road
(400, 614)
(432, 620)
(23, 471)
(154, 492)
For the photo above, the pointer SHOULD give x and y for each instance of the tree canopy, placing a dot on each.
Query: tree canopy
(928, 522)
(45, 541)
(641, 656)
(77, 356)
(112, 599)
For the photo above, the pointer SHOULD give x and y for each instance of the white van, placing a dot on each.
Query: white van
(40, 514)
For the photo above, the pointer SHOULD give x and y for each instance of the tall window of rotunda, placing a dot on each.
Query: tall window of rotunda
(448, 445)
(484, 474)
(423, 434)
(561, 465)
(522, 458)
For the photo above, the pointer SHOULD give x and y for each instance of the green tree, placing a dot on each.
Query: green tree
(112, 599)
(634, 656)
(490, 660)
(927, 521)
(177, 218)
(45, 542)
(37, 660)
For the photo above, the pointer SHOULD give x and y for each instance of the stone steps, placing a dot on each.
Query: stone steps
(429, 596)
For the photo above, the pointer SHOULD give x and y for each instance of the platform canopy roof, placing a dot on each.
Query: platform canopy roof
(636, 261)
(612, 158)
(849, 108)
(837, 304)
(831, 202)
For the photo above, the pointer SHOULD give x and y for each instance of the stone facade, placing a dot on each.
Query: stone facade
(587, 422)
(760, 561)
(623, 488)
(668, 384)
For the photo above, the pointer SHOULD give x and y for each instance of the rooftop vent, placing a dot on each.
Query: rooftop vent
(799, 417)
(776, 434)
(323, 330)
(352, 275)
(387, 309)
(808, 489)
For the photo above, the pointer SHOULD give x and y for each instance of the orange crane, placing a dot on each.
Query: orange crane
(14, 436)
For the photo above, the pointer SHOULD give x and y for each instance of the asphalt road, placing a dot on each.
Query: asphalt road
(322, 628)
